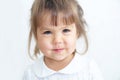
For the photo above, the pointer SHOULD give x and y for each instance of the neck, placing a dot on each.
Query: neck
(58, 65)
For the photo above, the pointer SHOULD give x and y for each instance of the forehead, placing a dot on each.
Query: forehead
(59, 27)
(48, 18)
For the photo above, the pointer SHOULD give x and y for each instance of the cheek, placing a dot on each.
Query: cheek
(71, 45)
(71, 42)
(44, 44)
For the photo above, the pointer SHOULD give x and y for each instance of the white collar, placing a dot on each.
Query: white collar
(76, 65)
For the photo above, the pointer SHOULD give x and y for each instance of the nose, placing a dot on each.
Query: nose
(57, 39)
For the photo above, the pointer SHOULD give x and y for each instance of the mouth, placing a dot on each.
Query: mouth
(58, 50)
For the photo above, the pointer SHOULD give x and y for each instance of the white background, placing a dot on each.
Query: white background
(102, 16)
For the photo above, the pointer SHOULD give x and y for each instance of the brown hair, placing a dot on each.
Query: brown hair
(71, 13)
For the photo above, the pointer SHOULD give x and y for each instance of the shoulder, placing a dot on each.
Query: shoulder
(94, 70)
(86, 60)
(89, 66)
(33, 69)
(83, 60)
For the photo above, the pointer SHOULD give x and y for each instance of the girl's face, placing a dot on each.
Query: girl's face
(57, 42)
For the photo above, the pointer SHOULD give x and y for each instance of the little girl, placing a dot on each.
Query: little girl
(56, 25)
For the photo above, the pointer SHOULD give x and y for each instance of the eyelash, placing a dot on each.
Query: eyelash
(64, 31)
(47, 32)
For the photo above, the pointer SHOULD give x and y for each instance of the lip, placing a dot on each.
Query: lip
(58, 50)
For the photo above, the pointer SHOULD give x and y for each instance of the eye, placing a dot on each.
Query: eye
(47, 32)
(66, 30)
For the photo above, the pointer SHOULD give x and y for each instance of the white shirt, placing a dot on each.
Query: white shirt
(80, 68)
